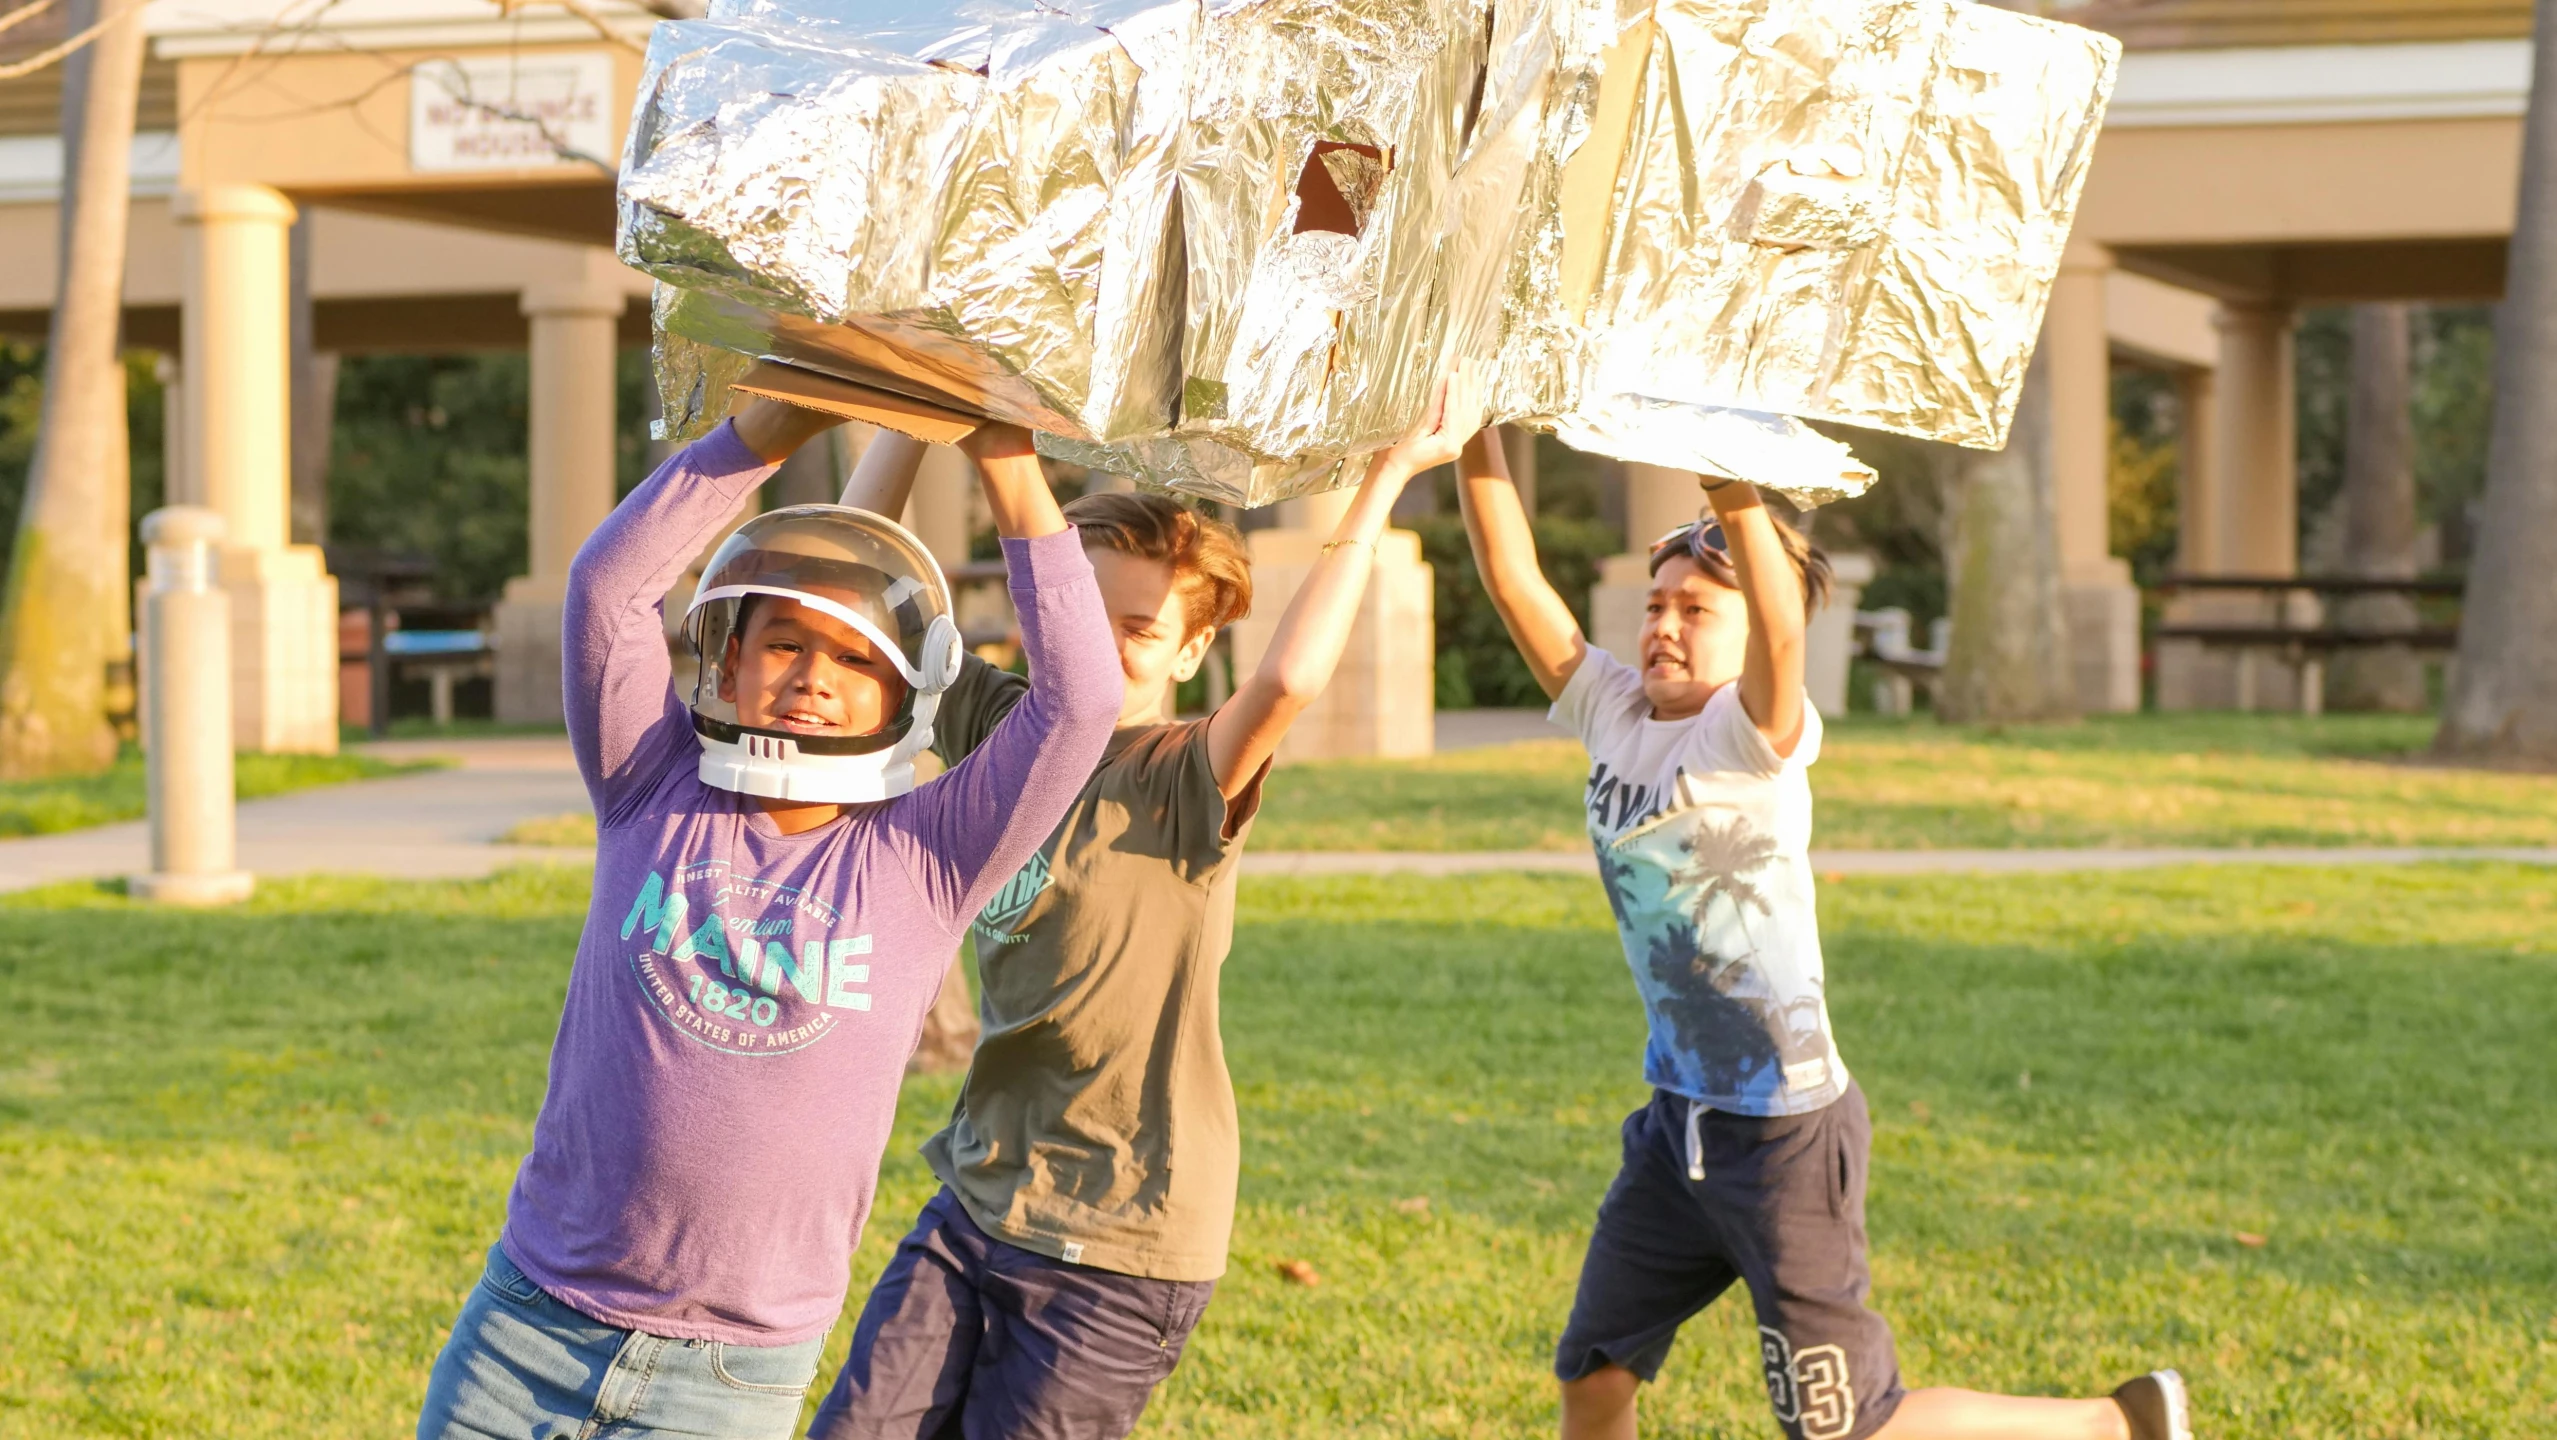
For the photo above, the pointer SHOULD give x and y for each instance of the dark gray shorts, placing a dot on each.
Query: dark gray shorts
(1782, 1208)
(968, 1337)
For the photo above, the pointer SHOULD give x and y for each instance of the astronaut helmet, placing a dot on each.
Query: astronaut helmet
(822, 641)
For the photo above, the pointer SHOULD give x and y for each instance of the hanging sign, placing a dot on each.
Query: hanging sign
(512, 113)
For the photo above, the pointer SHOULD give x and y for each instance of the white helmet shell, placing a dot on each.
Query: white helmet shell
(862, 569)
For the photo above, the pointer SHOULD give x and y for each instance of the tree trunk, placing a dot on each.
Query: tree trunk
(2502, 705)
(65, 571)
(2010, 651)
(2378, 504)
(123, 698)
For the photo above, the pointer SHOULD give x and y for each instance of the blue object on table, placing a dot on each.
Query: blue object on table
(434, 642)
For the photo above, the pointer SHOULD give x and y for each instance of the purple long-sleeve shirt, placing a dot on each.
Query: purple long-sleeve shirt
(743, 1002)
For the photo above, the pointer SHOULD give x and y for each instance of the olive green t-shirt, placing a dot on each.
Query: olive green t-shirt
(1096, 1123)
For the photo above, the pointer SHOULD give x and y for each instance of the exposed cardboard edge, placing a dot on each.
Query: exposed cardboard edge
(829, 396)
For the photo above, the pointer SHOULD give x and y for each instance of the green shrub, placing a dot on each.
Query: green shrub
(1477, 666)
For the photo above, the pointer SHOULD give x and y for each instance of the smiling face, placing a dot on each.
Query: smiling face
(1695, 636)
(1149, 614)
(805, 672)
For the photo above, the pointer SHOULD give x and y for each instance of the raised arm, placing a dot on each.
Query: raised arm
(983, 820)
(884, 479)
(1771, 675)
(1306, 647)
(1540, 624)
(1015, 485)
(625, 722)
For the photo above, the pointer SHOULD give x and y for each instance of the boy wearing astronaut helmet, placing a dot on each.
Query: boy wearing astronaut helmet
(774, 903)
(822, 642)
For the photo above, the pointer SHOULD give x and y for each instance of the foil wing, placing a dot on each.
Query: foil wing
(1849, 211)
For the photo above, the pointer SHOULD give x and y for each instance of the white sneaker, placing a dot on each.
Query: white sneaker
(2155, 1405)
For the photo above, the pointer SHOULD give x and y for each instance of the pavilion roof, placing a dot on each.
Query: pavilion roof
(2216, 24)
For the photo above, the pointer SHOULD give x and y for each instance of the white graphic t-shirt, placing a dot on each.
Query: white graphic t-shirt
(1703, 836)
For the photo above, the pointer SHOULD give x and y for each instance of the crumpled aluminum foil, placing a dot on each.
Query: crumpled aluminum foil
(1223, 244)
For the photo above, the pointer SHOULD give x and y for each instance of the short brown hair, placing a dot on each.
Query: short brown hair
(1206, 555)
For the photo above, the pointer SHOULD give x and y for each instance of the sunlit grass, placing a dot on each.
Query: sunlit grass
(2143, 780)
(571, 830)
(249, 1161)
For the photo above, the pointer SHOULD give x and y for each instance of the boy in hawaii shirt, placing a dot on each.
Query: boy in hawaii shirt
(1748, 1164)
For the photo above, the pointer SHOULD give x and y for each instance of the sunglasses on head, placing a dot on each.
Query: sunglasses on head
(1696, 538)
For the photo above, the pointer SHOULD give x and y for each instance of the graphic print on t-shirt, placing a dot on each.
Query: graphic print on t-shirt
(1000, 921)
(1705, 910)
(728, 960)
(1615, 803)
(1703, 835)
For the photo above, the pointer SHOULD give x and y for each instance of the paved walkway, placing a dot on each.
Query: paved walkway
(444, 824)
(1475, 729)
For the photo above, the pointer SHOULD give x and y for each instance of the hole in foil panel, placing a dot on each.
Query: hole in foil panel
(1337, 189)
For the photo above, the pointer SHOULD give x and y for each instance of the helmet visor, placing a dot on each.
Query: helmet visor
(849, 566)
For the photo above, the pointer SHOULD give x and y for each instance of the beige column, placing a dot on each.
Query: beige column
(2075, 341)
(2259, 491)
(2258, 468)
(2197, 466)
(570, 472)
(1829, 636)
(1318, 513)
(237, 345)
(2239, 512)
(1657, 501)
(2191, 676)
(2103, 605)
(1382, 698)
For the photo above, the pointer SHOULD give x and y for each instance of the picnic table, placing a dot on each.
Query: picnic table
(2297, 628)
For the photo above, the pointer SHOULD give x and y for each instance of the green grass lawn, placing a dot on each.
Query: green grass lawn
(420, 727)
(248, 1168)
(2136, 780)
(46, 807)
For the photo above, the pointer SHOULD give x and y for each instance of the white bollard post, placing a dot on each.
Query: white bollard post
(186, 715)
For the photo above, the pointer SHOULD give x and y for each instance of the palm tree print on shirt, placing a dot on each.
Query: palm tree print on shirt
(1727, 862)
(1720, 998)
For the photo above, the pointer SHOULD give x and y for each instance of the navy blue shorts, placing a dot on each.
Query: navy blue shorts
(1781, 1208)
(968, 1337)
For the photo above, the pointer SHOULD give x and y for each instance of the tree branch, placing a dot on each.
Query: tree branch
(24, 13)
(42, 58)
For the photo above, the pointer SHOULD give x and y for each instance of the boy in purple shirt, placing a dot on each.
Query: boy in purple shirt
(754, 970)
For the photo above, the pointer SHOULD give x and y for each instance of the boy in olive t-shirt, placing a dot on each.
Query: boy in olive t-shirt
(1089, 1168)
(1101, 1130)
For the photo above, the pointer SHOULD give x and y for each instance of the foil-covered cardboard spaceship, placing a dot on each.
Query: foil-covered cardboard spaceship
(1222, 245)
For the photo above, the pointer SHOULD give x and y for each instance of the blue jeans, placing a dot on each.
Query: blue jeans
(522, 1366)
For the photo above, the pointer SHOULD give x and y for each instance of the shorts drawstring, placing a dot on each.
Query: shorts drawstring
(1695, 1140)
